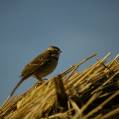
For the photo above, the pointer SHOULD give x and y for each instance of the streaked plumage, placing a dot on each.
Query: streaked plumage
(41, 66)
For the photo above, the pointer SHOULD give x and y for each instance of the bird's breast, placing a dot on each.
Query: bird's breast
(47, 68)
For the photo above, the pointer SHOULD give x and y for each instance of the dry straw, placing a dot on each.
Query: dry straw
(90, 94)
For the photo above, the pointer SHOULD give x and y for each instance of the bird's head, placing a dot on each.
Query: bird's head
(54, 49)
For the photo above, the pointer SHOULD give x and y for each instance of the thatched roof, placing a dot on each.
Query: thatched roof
(89, 94)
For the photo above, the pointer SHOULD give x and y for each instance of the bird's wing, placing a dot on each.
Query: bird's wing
(37, 62)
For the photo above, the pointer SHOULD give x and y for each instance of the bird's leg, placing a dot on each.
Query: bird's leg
(40, 80)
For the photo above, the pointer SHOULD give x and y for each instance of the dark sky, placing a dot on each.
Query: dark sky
(78, 27)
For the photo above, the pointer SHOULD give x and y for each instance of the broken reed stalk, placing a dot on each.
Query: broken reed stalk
(91, 93)
(61, 96)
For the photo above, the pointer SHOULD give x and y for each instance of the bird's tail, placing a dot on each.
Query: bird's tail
(14, 89)
(17, 85)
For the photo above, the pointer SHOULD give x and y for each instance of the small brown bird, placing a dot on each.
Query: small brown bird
(40, 66)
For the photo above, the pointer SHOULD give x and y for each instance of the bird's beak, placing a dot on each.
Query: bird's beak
(60, 51)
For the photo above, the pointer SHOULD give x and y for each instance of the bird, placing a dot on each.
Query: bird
(40, 66)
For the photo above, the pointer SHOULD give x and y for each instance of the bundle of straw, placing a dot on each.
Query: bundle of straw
(89, 94)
